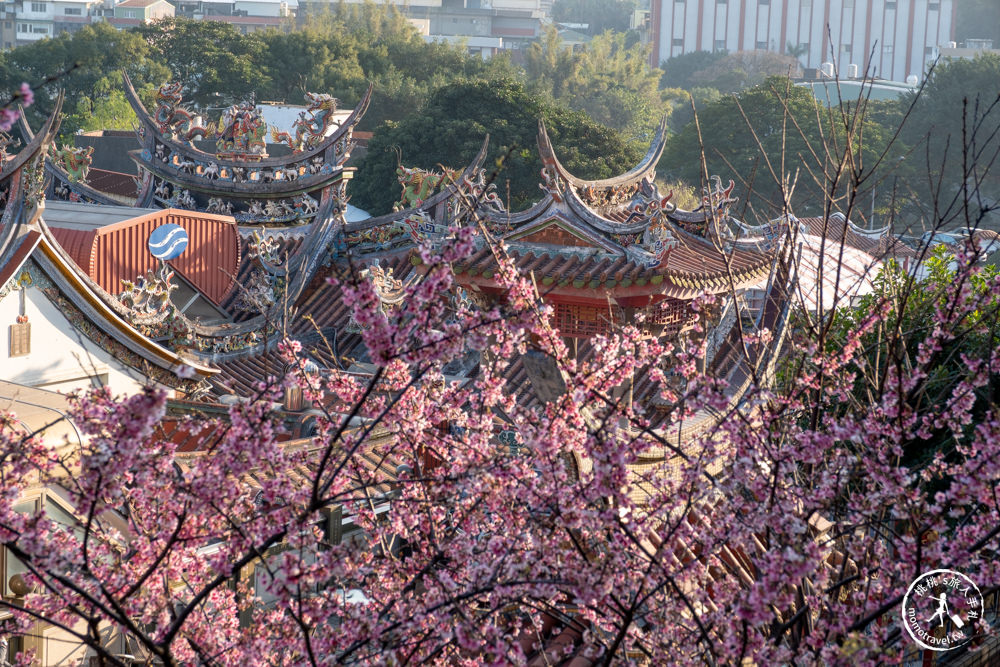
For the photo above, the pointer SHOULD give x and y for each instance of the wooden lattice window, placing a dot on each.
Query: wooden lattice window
(584, 321)
(671, 314)
(20, 339)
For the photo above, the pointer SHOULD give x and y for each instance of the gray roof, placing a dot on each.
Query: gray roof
(77, 215)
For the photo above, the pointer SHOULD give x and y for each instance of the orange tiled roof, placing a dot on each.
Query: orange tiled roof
(686, 266)
(118, 252)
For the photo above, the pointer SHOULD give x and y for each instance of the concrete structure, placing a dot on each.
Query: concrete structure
(485, 26)
(831, 91)
(31, 20)
(135, 12)
(896, 38)
(969, 49)
(245, 15)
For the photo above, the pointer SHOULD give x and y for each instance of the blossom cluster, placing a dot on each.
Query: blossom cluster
(455, 521)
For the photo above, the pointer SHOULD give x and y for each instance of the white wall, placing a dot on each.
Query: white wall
(60, 359)
(900, 35)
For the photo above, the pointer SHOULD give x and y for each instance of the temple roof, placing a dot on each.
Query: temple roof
(559, 272)
(627, 238)
(82, 184)
(240, 178)
(155, 127)
(115, 252)
(597, 191)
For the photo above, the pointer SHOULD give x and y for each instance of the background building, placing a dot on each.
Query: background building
(896, 37)
(135, 12)
(485, 26)
(27, 21)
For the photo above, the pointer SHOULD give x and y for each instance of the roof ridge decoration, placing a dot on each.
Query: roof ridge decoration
(69, 168)
(438, 209)
(174, 120)
(7, 141)
(657, 239)
(22, 183)
(419, 184)
(241, 179)
(241, 132)
(25, 238)
(644, 171)
(389, 290)
(312, 125)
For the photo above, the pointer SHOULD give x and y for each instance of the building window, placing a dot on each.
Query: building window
(678, 41)
(762, 46)
(806, 4)
(928, 50)
(848, 4)
(763, 2)
(73, 11)
(720, 45)
(846, 48)
(129, 13)
(890, 6)
(23, 27)
(40, 30)
(934, 7)
(38, 7)
(887, 49)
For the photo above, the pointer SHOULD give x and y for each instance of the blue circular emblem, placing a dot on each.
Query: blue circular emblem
(146, 155)
(167, 242)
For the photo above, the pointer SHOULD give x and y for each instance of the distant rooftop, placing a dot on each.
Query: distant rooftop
(830, 91)
(137, 3)
(76, 215)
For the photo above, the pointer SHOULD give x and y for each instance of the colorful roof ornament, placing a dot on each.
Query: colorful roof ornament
(240, 178)
(312, 126)
(69, 172)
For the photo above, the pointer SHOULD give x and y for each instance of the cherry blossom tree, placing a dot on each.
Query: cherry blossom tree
(788, 532)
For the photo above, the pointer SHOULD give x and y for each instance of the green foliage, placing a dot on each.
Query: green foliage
(737, 71)
(105, 109)
(978, 19)
(600, 15)
(731, 149)
(772, 131)
(609, 80)
(94, 55)
(679, 71)
(910, 308)
(217, 63)
(681, 101)
(959, 99)
(346, 46)
(453, 123)
(338, 51)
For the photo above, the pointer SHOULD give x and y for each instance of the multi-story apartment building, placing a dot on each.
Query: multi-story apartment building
(245, 15)
(136, 12)
(26, 21)
(485, 26)
(891, 39)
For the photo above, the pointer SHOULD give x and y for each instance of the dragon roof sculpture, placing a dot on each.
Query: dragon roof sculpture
(240, 178)
(67, 170)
